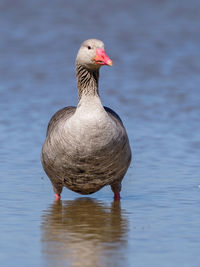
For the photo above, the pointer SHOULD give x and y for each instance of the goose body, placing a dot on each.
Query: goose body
(86, 147)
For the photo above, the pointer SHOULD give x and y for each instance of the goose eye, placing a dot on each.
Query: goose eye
(89, 47)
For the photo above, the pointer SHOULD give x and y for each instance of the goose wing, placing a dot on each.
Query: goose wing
(64, 113)
(114, 116)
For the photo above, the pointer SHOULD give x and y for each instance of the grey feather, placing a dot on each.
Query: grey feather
(86, 147)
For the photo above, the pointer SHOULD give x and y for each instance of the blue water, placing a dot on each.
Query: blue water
(153, 86)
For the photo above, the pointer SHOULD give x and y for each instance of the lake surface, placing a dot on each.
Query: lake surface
(154, 87)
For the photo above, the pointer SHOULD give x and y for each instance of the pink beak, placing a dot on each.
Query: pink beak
(101, 58)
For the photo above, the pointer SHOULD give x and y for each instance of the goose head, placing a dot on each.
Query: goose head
(92, 55)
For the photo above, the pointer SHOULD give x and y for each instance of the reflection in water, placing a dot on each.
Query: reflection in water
(84, 232)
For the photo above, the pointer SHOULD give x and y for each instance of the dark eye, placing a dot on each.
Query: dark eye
(89, 47)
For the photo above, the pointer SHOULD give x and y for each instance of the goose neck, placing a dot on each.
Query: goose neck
(87, 81)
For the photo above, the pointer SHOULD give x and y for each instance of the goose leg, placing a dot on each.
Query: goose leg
(57, 197)
(117, 196)
(57, 190)
(116, 188)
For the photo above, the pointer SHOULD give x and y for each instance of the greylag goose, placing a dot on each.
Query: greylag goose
(86, 147)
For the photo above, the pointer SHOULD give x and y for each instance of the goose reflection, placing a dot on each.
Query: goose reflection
(84, 232)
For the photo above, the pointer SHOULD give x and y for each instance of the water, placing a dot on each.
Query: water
(154, 87)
